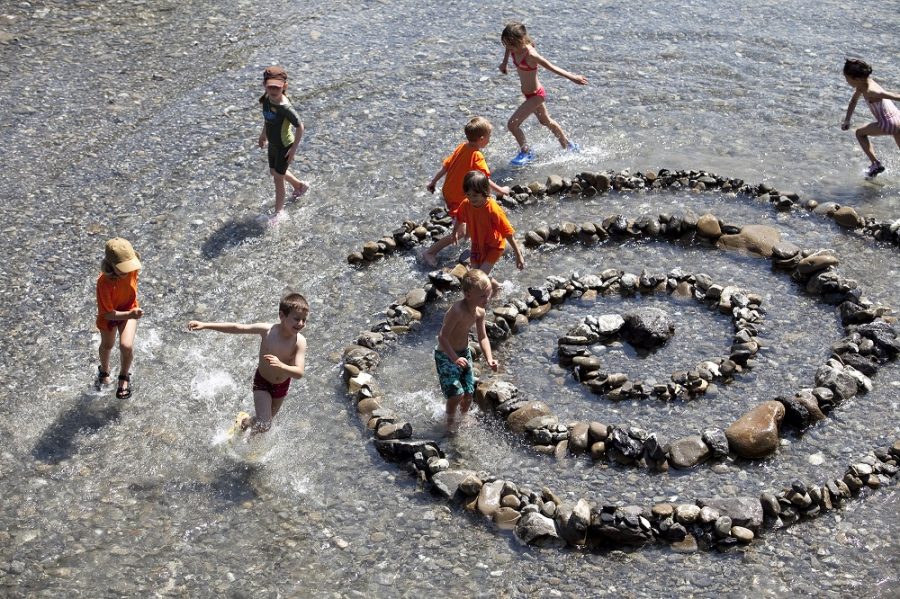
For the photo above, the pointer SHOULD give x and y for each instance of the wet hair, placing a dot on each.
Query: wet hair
(477, 127)
(476, 182)
(293, 302)
(857, 69)
(516, 35)
(475, 279)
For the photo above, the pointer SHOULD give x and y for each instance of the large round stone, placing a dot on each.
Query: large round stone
(532, 409)
(755, 434)
(688, 452)
(647, 328)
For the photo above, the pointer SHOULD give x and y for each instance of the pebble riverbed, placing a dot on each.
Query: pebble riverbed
(140, 119)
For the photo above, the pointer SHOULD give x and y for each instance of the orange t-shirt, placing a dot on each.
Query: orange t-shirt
(463, 159)
(115, 294)
(488, 227)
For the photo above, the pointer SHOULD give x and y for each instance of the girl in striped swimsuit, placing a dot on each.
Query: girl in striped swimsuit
(887, 117)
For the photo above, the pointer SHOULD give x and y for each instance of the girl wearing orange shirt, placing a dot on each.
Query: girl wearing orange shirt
(118, 311)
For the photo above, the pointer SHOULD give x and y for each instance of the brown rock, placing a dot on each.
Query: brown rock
(846, 216)
(753, 239)
(708, 226)
(578, 437)
(755, 434)
(531, 409)
(816, 262)
(506, 518)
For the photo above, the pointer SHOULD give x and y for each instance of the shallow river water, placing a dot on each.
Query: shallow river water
(140, 119)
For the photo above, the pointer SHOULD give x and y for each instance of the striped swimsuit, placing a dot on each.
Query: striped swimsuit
(886, 114)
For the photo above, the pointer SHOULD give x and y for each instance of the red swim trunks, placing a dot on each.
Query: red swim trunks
(276, 390)
(538, 92)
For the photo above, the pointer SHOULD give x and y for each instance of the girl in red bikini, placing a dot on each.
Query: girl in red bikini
(520, 47)
(887, 117)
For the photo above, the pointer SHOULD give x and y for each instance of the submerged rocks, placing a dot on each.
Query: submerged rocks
(752, 239)
(647, 328)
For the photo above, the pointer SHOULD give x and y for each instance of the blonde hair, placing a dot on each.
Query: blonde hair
(477, 127)
(475, 279)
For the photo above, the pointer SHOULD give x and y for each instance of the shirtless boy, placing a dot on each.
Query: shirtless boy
(452, 355)
(282, 356)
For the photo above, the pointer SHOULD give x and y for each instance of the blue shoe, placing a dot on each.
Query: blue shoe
(522, 158)
(573, 147)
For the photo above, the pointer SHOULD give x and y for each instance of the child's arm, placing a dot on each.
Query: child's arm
(520, 260)
(262, 137)
(431, 186)
(296, 370)
(234, 328)
(579, 79)
(444, 345)
(505, 62)
(504, 191)
(484, 342)
(457, 230)
(134, 313)
(845, 124)
(298, 135)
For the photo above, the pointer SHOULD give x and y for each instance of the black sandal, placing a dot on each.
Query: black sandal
(124, 393)
(101, 375)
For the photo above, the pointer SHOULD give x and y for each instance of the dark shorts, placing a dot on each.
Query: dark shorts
(454, 380)
(278, 158)
(277, 391)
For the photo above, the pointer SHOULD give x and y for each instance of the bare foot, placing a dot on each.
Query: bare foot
(301, 188)
(429, 259)
(278, 218)
(246, 423)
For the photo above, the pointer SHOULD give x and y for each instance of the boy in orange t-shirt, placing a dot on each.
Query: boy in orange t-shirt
(466, 157)
(488, 227)
(118, 311)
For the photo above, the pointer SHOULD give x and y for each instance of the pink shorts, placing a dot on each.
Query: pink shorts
(276, 390)
(538, 92)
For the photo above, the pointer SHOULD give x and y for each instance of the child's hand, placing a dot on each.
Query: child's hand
(503, 67)
(845, 124)
(262, 140)
(520, 263)
(195, 325)
(579, 79)
(273, 360)
(504, 190)
(493, 364)
(289, 155)
(135, 313)
(430, 187)
(462, 363)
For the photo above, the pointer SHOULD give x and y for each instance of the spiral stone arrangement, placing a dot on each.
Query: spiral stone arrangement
(589, 184)
(541, 516)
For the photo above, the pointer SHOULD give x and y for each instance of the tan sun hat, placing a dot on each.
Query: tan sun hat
(120, 254)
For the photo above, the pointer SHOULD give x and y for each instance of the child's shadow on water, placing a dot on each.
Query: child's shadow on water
(87, 416)
(232, 234)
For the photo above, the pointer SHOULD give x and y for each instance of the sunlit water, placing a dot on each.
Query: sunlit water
(140, 119)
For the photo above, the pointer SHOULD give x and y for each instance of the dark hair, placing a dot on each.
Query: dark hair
(857, 69)
(516, 34)
(476, 182)
(293, 302)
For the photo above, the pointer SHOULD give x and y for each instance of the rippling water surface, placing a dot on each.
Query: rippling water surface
(140, 119)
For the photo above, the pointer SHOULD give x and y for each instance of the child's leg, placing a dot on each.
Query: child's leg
(279, 191)
(863, 134)
(276, 405)
(299, 186)
(514, 124)
(453, 404)
(430, 255)
(107, 342)
(262, 402)
(897, 139)
(543, 115)
(464, 405)
(127, 331)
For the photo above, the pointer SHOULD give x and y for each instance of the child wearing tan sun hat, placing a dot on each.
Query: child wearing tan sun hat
(118, 311)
